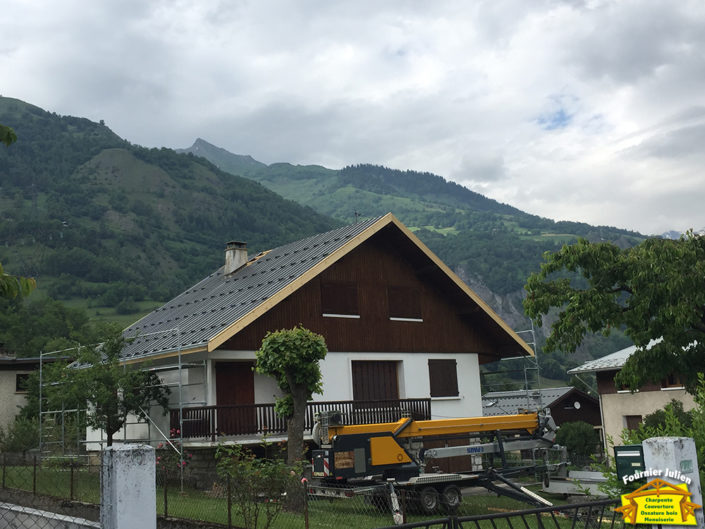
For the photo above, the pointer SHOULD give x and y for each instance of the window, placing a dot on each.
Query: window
(672, 382)
(404, 304)
(21, 382)
(339, 299)
(443, 375)
(632, 422)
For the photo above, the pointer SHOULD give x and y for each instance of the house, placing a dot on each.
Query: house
(404, 333)
(14, 376)
(565, 404)
(620, 407)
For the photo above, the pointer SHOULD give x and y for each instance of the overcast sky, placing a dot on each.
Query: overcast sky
(582, 110)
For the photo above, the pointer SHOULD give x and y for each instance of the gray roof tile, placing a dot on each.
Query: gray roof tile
(512, 402)
(200, 313)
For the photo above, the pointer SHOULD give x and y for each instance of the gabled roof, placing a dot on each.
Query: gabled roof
(206, 315)
(611, 362)
(511, 402)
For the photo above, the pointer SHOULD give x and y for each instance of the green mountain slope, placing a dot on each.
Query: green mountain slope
(94, 217)
(491, 243)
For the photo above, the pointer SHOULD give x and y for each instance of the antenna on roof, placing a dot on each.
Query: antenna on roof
(357, 216)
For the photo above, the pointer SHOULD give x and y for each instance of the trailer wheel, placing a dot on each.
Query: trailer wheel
(428, 500)
(451, 499)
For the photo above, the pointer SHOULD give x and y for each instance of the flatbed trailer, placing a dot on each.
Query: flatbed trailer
(391, 456)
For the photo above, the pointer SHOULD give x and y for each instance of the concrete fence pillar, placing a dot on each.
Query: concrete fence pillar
(678, 459)
(128, 488)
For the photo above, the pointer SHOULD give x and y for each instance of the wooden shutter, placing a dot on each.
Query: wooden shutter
(375, 380)
(339, 297)
(443, 376)
(404, 302)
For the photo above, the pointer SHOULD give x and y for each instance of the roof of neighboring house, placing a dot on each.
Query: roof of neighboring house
(512, 402)
(206, 315)
(611, 362)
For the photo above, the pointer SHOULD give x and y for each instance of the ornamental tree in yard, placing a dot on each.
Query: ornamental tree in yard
(111, 391)
(291, 357)
(654, 291)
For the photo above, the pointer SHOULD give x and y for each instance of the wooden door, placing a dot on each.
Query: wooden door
(375, 391)
(235, 397)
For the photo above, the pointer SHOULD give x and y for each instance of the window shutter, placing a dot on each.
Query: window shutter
(339, 297)
(443, 376)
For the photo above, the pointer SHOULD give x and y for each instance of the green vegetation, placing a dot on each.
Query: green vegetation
(580, 438)
(655, 291)
(113, 224)
(291, 357)
(110, 391)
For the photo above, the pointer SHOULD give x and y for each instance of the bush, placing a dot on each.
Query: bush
(259, 486)
(580, 438)
(20, 436)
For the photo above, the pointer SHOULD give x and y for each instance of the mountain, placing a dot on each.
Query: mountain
(94, 217)
(490, 243)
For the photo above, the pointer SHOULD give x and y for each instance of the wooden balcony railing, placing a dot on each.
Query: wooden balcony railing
(257, 419)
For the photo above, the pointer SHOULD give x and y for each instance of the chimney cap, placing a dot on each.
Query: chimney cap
(235, 245)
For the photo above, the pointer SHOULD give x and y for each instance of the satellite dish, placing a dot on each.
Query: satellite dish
(576, 405)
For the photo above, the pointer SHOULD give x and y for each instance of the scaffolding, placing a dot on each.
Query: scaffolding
(54, 438)
(530, 370)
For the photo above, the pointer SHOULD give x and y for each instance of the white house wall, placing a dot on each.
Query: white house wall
(412, 372)
(616, 406)
(11, 399)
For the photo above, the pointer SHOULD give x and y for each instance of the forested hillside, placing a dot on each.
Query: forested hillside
(95, 218)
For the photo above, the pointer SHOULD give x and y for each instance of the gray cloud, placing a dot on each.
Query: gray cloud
(551, 105)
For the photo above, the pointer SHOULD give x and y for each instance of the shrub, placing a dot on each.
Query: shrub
(580, 438)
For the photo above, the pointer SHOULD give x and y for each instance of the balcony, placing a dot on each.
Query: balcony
(210, 422)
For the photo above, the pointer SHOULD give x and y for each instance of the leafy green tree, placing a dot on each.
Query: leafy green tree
(111, 391)
(654, 291)
(291, 357)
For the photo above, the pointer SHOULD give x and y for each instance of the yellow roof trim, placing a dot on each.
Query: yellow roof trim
(338, 254)
(170, 354)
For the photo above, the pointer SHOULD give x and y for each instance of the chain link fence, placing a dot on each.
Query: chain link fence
(64, 492)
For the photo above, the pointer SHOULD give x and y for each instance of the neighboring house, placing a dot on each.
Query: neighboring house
(565, 404)
(402, 330)
(620, 407)
(14, 375)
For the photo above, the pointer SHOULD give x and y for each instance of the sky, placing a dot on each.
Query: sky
(591, 111)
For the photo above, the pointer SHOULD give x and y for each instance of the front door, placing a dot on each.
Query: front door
(235, 397)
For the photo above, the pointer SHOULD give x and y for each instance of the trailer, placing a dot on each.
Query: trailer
(393, 456)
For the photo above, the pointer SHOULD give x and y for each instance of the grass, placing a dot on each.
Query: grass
(205, 506)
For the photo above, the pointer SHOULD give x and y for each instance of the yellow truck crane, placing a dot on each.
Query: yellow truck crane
(394, 454)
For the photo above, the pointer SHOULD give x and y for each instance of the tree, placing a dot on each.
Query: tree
(291, 357)
(7, 135)
(111, 391)
(654, 291)
(13, 286)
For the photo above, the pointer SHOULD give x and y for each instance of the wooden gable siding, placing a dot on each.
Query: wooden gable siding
(374, 265)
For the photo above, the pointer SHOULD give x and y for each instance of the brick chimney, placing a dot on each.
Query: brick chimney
(235, 256)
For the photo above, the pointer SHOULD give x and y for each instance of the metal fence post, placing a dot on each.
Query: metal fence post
(71, 493)
(403, 505)
(166, 487)
(305, 485)
(34, 477)
(4, 470)
(229, 492)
